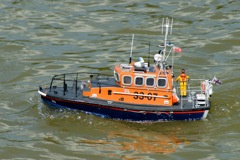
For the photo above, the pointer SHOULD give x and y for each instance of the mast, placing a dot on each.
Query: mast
(167, 25)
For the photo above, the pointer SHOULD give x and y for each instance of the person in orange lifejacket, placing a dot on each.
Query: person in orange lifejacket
(183, 82)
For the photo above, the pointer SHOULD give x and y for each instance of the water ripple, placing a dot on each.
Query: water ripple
(42, 38)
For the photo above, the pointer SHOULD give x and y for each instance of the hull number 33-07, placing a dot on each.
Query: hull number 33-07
(149, 96)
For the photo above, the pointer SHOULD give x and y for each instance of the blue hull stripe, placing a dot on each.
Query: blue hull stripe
(123, 114)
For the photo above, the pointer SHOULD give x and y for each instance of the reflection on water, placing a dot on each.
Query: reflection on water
(137, 142)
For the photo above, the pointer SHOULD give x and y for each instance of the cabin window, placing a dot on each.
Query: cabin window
(162, 82)
(116, 76)
(150, 82)
(127, 80)
(139, 81)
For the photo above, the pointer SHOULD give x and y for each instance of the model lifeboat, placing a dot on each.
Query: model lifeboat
(137, 91)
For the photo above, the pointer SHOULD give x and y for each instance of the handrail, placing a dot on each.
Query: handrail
(74, 78)
(193, 87)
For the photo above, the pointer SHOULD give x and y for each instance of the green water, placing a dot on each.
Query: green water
(42, 38)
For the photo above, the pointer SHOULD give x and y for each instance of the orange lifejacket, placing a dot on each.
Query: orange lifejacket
(182, 77)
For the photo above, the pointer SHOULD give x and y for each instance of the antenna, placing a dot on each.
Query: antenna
(130, 57)
(167, 25)
(162, 24)
(149, 54)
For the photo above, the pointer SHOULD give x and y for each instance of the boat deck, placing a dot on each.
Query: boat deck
(74, 94)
